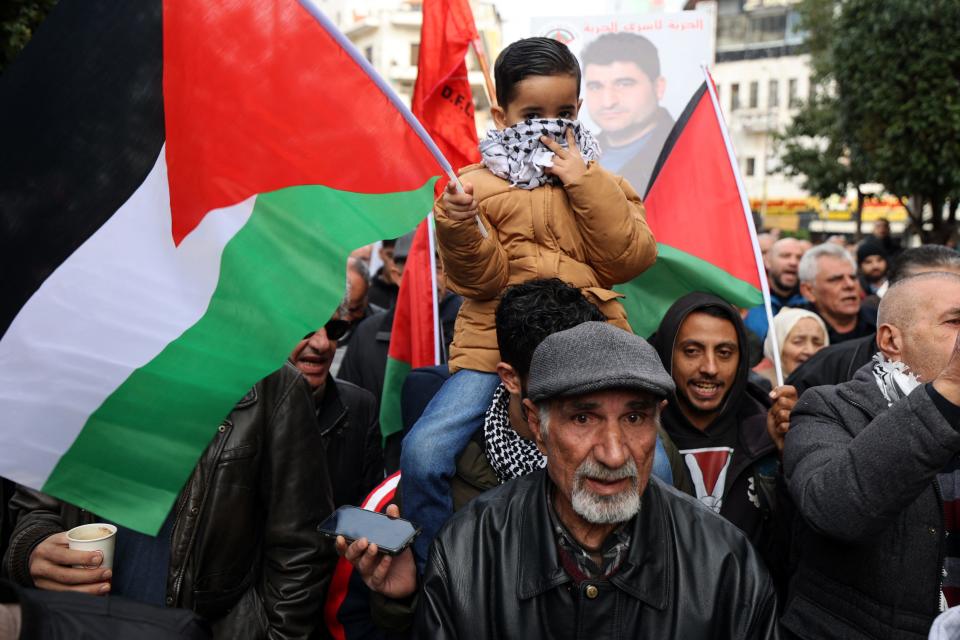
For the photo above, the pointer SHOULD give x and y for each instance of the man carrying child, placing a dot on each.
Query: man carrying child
(547, 210)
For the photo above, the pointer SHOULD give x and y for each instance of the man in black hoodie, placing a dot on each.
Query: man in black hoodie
(717, 419)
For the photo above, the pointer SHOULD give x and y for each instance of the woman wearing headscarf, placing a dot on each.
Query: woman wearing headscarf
(800, 334)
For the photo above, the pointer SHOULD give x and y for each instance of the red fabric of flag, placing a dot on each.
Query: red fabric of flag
(412, 339)
(694, 202)
(442, 99)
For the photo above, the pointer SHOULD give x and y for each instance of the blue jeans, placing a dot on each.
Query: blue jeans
(428, 458)
(429, 455)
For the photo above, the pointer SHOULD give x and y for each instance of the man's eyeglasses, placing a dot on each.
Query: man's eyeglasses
(335, 329)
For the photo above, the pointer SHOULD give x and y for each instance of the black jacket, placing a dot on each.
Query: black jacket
(245, 552)
(866, 324)
(49, 615)
(494, 572)
(382, 293)
(366, 359)
(350, 426)
(749, 496)
(834, 364)
(863, 477)
(639, 168)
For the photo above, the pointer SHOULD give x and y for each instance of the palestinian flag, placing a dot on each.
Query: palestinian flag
(443, 101)
(180, 186)
(698, 212)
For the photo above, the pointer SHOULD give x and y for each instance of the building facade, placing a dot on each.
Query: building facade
(387, 33)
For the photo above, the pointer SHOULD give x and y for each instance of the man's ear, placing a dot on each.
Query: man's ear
(533, 420)
(661, 88)
(499, 116)
(890, 341)
(806, 290)
(509, 378)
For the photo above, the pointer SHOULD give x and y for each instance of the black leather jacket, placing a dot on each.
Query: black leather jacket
(493, 572)
(245, 551)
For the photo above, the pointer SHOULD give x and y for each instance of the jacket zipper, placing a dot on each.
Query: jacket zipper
(943, 524)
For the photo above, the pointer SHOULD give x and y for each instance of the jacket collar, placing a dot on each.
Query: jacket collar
(643, 574)
(247, 400)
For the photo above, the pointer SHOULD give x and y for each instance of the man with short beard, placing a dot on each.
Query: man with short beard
(568, 552)
(782, 262)
(717, 419)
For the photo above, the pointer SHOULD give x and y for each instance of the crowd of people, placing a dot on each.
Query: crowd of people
(570, 479)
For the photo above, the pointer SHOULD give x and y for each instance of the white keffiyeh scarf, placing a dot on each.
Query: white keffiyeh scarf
(516, 153)
(894, 378)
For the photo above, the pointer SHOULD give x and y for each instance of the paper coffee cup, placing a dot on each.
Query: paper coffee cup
(98, 536)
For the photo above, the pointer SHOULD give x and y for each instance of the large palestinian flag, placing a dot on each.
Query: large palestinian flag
(698, 212)
(180, 186)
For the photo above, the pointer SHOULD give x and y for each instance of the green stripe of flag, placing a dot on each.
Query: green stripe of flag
(390, 417)
(281, 276)
(675, 274)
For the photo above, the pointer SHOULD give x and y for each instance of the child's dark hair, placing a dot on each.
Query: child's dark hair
(532, 57)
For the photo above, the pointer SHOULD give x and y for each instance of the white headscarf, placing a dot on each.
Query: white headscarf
(784, 322)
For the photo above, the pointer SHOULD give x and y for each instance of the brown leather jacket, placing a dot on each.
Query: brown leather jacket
(591, 233)
(245, 551)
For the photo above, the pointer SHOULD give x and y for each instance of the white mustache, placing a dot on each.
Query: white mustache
(593, 469)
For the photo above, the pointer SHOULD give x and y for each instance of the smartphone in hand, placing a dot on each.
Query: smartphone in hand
(391, 535)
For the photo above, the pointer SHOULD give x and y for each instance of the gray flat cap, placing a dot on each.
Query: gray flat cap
(595, 356)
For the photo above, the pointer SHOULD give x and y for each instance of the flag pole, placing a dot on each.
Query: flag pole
(745, 206)
(432, 248)
(485, 68)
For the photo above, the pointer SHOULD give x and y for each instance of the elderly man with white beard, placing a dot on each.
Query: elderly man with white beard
(593, 546)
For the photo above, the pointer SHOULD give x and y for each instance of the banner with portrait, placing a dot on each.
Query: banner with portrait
(639, 71)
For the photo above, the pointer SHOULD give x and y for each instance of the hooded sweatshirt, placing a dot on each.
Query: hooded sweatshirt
(732, 463)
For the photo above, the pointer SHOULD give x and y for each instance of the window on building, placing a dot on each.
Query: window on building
(773, 94)
(414, 54)
(754, 94)
(368, 54)
(734, 96)
(793, 93)
(751, 167)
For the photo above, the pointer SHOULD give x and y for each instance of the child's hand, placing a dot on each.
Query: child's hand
(459, 206)
(568, 164)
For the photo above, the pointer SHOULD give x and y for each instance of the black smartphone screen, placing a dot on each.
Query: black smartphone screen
(392, 535)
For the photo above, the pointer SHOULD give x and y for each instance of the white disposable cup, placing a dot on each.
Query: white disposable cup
(98, 536)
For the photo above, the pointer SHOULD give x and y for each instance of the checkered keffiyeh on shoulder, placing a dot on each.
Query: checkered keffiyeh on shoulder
(517, 155)
(510, 455)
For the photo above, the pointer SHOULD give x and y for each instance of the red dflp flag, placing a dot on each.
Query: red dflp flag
(698, 212)
(443, 102)
(442, 99)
